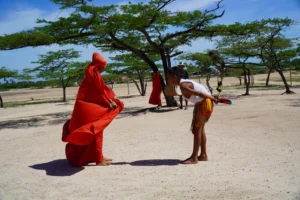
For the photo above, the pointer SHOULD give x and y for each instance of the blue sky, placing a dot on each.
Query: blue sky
(17, 15)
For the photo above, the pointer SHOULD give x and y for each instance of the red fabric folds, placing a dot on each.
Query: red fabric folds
(91, 115)
(156, 89)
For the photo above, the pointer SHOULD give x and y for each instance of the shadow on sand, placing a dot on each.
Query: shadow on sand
(155, 162)
(59, 167)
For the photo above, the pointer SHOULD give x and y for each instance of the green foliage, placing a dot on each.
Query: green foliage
(30, 84)
(128, 64)
(58, 65)
(236, 72)
(115, 78)
(263, 41)
(133, 67)
(7, 73)
(296, 63)
(202, 62)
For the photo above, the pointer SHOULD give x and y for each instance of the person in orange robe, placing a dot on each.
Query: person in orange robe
(95, 107)
(156, 90)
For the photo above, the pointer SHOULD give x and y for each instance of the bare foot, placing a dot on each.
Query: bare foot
(103, 163)
(202, 157)
(108, 159)
(190, 161)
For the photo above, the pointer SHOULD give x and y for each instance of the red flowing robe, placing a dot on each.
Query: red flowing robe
(156, 89)
(91, 115)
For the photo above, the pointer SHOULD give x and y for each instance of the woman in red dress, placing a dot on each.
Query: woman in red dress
(95, 107)
(156, 90)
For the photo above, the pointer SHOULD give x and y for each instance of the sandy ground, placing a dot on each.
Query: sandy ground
(253, 148)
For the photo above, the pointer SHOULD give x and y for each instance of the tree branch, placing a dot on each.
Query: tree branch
(148, 38)
(135, 51)
(196, 26)
(176, 54)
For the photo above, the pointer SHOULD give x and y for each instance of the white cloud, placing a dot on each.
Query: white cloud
(199, 45)
(26, 19)
(179, 5)
(18, 21)
(190, 5)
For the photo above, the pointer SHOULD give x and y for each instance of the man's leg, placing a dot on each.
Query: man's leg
(203, 155)
(200, 120)
(194, 157)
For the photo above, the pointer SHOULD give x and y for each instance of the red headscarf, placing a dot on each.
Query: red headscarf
(98, 60)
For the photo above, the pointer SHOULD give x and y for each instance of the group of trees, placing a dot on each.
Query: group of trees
(4, 75)
(251, 46)
(59, 65)
(146, 37)
(263, 45)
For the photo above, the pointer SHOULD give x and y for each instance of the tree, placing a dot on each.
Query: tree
(296, 63)
(277, 55)
(262, 41)
(226, 63)
(236, 72)
(141, 29)
(203, 63)
(220, 65)
(132, 67)
(58, 65)
(111, 79)
(5, 74)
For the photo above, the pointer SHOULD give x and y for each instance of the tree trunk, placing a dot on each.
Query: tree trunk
(166, 61)
(252, 79)
(143, 87)
(287, 87)
(64, 85)
(268, 78)
(199, 78)
(245, 77)
(142, 84)
(1, 102)
(64, 94)
(170, 100)
(247, 80)
(207, 83)
(240, 79)
(219, 84)
(128, 91)
(145, 84)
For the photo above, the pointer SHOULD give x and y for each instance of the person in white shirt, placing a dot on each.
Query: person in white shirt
(203, 100)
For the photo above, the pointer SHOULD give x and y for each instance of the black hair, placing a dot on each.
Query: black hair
(173, 72)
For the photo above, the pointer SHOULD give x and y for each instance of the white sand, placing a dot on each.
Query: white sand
(253, 148)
